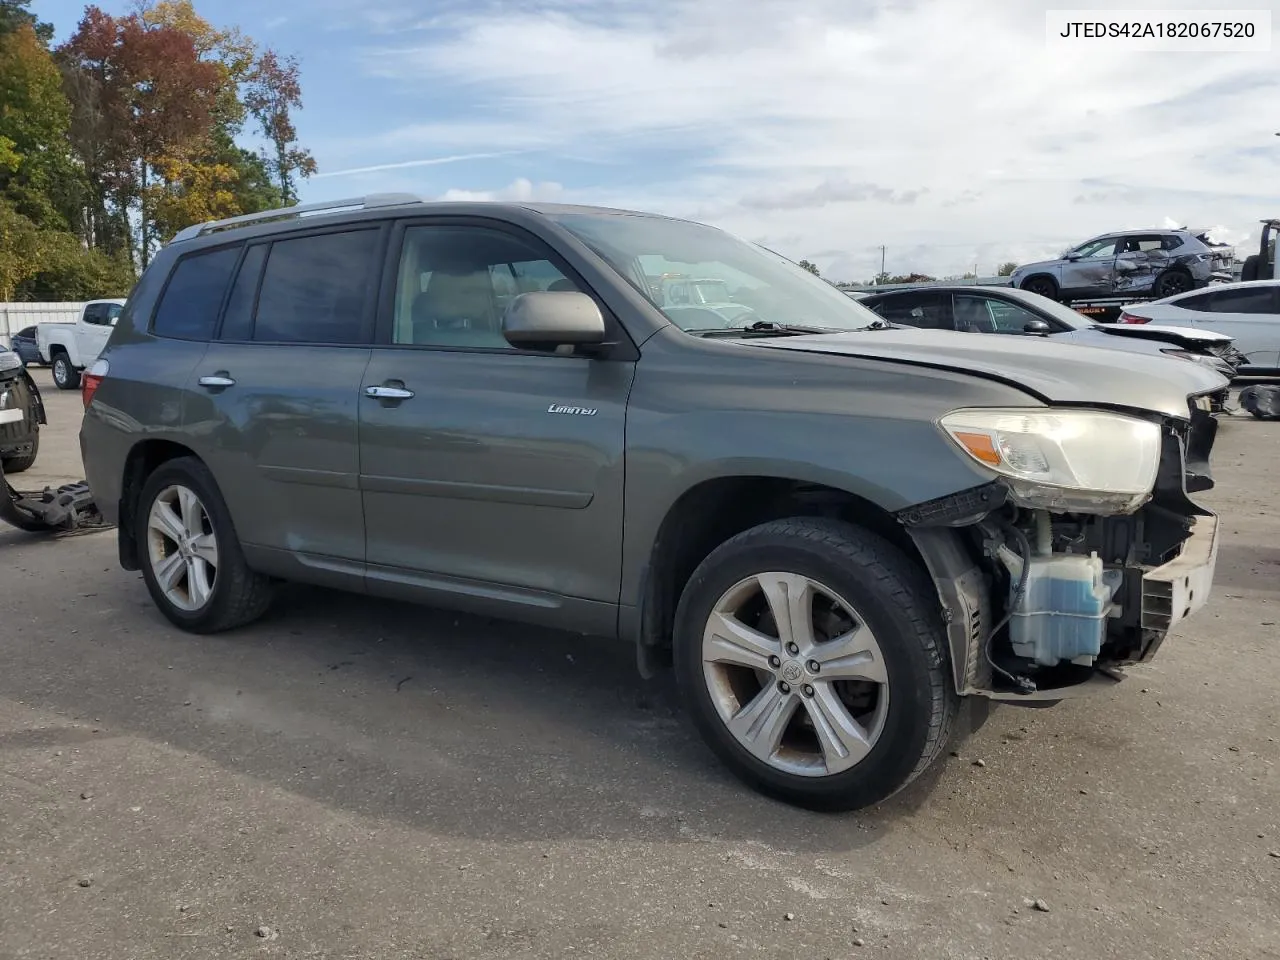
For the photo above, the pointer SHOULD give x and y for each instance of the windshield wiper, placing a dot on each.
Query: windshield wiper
(764, 328)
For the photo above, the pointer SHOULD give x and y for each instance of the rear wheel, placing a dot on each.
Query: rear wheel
(191, 558)
(65, 375)
(811, 658)
(1171, 282)
(1044, 286)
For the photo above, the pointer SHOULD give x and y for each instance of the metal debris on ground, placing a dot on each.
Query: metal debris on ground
(65, 510)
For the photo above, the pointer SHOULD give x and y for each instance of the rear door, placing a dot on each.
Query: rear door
(1139, 260)
(488, 472)
(930, 310)
(1250, 314)
(273, 404)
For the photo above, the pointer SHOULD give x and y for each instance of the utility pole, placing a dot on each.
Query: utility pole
(882, 247)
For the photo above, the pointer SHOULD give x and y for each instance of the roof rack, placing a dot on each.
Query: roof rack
(282, 213)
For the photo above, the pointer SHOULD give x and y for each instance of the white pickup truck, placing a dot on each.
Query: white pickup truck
(70, 347)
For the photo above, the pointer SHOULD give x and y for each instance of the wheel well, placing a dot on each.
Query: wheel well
(1038, 276)
(714, 511)
(57, 348)
(143, 460)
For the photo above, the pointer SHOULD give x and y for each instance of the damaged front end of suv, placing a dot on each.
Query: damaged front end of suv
(1080, 556)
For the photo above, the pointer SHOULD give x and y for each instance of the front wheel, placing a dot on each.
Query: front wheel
(811, 655)
(65, 376)
(1044, 286)
(191, 558)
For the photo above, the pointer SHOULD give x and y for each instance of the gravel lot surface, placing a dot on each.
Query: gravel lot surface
(358, 779)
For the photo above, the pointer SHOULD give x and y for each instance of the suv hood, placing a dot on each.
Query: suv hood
(1052, 372)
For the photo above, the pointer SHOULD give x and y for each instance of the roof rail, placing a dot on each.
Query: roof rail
(281, 213)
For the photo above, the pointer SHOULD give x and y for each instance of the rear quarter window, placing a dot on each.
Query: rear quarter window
(188, 308)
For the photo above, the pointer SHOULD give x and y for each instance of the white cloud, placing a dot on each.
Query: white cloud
(945, 129)
(518, 190)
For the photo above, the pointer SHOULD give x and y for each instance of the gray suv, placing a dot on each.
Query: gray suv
(833, 530)
(1138, 264)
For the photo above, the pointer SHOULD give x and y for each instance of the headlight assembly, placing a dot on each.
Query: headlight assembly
(9, 360)
(1078, 461)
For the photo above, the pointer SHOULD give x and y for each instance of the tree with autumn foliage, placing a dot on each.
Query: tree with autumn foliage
(274, 92)
(128, 132)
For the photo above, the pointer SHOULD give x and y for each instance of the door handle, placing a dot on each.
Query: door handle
(216, 381)
(388, 393)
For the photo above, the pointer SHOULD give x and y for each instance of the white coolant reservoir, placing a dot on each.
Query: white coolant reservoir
(1062, 613)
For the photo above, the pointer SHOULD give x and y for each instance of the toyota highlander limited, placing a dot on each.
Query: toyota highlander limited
(832, 530)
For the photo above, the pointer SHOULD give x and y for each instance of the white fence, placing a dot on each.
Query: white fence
(16, 316)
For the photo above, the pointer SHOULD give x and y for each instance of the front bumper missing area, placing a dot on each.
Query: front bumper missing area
(1176, 590)
(1170, 593)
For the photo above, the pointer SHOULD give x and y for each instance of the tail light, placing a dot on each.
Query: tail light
(1132, 318)
(90, 380)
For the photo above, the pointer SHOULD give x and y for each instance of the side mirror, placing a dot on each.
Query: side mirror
(1036, 328)
(1070, 255)
(549, 319)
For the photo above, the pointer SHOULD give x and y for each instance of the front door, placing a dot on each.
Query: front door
(488, 472)
(1090, 271)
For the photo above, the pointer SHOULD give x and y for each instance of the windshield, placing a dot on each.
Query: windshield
(737, 283)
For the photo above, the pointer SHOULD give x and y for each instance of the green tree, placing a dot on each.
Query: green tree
(812, 268)
(19, 250)
(1006, 268)
(14, 14)
(37, 174)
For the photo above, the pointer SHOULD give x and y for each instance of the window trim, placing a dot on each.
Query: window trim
(615, 332)
(173, 272)
(257, 289)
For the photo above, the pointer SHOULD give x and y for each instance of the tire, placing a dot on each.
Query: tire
(228, 596)
(1170, 283)
(25, 462)
(1045, 286)
(902, 724)
(65, 376)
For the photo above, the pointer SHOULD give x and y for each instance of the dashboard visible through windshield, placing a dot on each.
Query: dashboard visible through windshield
(706, 281)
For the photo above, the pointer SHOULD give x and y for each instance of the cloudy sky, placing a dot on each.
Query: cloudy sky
(947, 131)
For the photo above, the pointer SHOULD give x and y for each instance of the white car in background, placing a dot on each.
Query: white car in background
(1248, 312)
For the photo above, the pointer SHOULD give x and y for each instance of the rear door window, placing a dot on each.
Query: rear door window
(318, 289)
(1255, 300)
(188, 308)
(929, 310)
(237, 321)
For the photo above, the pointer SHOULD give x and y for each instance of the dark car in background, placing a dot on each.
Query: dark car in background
(21, 413)
(1128, 263)
(25, 346)
(1005, 310)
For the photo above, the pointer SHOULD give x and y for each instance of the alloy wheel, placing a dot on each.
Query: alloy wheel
(795, 674)
(182, 547)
